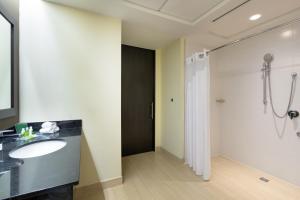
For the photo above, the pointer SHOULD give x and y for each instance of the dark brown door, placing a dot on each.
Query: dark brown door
(138, 66)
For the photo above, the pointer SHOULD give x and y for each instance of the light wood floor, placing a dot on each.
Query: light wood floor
(160, 176)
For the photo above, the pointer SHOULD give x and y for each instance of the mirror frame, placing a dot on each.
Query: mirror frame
(13, 110)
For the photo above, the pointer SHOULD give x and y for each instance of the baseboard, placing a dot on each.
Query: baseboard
(112, 182)
(82, 192)
(158, 148)
(101, 185)
(91, 186)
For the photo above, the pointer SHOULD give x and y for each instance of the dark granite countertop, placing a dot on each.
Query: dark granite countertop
(24, 176)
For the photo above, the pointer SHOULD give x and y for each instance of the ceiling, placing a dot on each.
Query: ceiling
(155, 23)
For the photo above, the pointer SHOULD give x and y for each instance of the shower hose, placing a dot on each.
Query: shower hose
(291, 98)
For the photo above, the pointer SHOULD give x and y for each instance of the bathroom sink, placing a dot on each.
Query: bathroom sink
(38, 148)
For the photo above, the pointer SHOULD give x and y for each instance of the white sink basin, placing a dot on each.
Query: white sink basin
(37, 149)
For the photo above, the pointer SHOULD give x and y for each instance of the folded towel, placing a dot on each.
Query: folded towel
(49, 127)
(49, 124)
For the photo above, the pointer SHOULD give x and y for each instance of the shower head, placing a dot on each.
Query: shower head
(268, 58)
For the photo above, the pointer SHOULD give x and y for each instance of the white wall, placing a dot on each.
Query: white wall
(214, 108)
(247, 134)
(158, 98)
(172, 86)
(191, 47)
(70, 68)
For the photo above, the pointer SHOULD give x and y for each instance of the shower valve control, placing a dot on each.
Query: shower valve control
(293, 114)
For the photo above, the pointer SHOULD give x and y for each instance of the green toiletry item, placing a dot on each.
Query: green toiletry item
(20, 126)
(27, 133)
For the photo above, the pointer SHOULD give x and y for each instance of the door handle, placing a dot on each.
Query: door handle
(152, 110)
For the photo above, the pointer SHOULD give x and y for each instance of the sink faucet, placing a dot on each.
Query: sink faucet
(6, 131)
(1, 152)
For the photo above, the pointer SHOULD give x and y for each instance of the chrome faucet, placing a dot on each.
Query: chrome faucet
(1, 152)
(5, 131)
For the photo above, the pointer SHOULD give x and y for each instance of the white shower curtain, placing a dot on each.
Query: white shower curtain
(197, 123)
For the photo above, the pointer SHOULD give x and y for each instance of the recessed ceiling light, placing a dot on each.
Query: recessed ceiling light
(287, 34)
(255, 17)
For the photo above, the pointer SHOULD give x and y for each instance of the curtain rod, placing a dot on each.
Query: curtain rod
(254, 35)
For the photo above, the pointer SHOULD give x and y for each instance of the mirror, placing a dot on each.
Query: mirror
(9, 63)
(5, 64)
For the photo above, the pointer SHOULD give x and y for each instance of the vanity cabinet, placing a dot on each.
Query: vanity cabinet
(59, 193)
